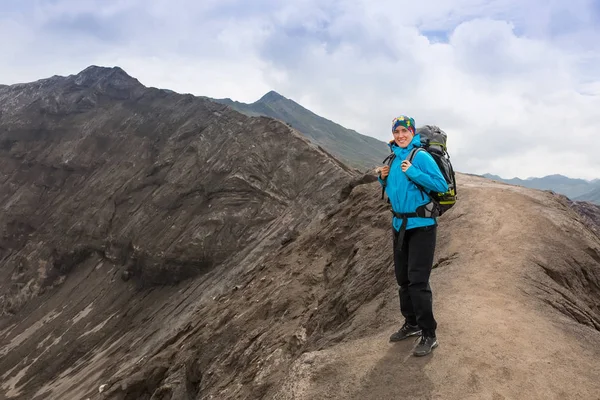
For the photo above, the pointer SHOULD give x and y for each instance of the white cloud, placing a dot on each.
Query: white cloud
(516, 86)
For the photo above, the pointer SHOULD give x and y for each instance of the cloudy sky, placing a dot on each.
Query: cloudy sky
(515, 84)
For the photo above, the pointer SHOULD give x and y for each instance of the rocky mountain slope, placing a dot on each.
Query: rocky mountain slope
(99, 172)
(590, 213)
(261, 272)
(356, 150)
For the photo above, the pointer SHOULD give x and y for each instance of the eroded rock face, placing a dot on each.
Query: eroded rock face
(590, 213)
(100, 175)
(166, 184)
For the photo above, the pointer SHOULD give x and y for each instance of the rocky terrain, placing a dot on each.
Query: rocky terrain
(161, 246)
(100, 172)
(590, 213)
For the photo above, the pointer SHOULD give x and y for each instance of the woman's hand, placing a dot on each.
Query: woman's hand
(384, 171)
(405, 165)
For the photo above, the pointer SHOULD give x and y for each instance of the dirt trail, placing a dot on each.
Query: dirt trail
(498, 337)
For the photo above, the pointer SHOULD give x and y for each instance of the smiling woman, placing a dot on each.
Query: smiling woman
(414, 231)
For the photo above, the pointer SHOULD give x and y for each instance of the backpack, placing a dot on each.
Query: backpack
(433, 141)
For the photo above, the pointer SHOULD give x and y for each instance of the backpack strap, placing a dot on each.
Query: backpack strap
(413, 153)
(410, 158)
(431, 207)
(388, 160)
(404, 217)
(426, 211)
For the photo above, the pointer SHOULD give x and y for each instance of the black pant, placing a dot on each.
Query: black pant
(413, 262)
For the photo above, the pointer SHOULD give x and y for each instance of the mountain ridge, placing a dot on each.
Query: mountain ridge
(358, 150)
(574, 188)
(591, 196)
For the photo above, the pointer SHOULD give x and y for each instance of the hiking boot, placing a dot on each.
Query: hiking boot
(405, 332)
(425, 346)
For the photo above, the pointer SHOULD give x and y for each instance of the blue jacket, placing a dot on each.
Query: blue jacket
(404, 195)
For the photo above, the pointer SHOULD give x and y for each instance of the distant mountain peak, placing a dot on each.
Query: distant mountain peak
(560, 176)
(271, 97)
(349, 146)
(575, 188)
(116, 75)
(96, 71)
(98, 68)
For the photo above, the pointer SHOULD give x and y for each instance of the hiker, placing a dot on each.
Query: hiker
(414, 236)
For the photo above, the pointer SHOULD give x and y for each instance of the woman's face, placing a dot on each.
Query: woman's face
(403, 136)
